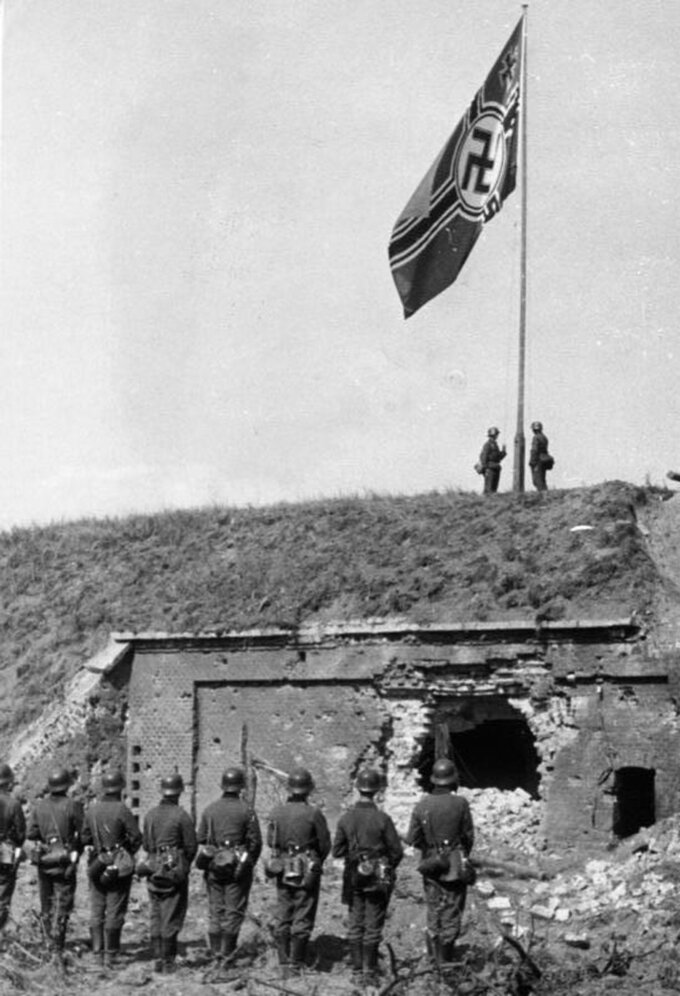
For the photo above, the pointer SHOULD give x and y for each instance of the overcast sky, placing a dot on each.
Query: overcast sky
(197, 197)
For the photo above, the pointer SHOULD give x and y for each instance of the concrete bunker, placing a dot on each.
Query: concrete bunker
(490, 741)
(525, 710)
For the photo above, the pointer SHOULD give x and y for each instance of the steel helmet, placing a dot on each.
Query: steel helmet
(537, 426)
(300, 782)
(58, 780)
(113, 781)
(233, 780)
(369, 780)
(172, 785)
(6, 776)
(493, 431)
(444, 772)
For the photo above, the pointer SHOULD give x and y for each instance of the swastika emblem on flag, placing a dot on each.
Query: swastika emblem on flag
(463, 189)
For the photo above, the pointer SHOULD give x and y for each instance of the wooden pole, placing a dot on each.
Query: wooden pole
(520, 447)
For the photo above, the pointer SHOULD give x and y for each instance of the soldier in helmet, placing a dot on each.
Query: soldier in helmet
(108, 826)
(298, 834)
(490, 460)
(169, 838)
(230, 828)
(55, 827)
(368, 841)
(12, 836)
(441, 828)
(540, 460)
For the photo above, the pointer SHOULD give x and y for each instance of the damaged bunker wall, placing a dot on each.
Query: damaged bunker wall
(575, 715)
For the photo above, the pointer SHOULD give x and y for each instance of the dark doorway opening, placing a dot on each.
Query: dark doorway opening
(499, 753)
(634, 805)
(490, 742)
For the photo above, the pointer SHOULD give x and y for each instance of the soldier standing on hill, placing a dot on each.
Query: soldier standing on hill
(230, 829)
(170, 840)
(490, 461)
(55, 827)
(441, 828)
(368, 840)
(297, 835)
(108, 826)
(12, 836)
(540, 460)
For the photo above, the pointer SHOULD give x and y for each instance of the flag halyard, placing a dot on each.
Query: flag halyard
(463, 189)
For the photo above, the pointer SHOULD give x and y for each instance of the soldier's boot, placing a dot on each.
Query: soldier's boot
(298, 954)
(112, 947)
(356, 960)
(97, 945)
(446, 954)
(283, 952)
(169, 953)
(370, 964)
(157, 953)
(59, 938)
(214, 944)
(228, 947)
(433, 949)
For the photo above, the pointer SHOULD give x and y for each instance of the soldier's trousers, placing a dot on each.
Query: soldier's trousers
(167, 911)
(57, 895)
(108, 905)
(8, 881)
(367, 912)
(445, 905)
(491, 481)
(538, 477)
(296, 910)
(227, 903)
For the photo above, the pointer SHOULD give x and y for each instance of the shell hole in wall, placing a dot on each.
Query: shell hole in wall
(490, 742)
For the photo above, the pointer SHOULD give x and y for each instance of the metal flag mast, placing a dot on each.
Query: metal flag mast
(520, 447)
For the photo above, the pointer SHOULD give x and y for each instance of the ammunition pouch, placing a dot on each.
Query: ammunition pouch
(373, 875)
(54, 858)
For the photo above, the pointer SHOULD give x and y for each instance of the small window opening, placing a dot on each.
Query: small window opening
(634, 805)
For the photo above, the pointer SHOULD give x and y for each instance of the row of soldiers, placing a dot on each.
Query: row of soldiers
(226, 847)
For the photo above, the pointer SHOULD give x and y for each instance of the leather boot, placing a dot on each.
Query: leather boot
(97, 944)
(283, 951)
(446, 954)
(356, 961)
(169, 954)
(228, 946)
(157, 953)
(112, 947)
(432, 944)
(214, 942)
(298, 953)
(370, 964)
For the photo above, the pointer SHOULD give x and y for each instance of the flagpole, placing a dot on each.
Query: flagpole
(520, 448)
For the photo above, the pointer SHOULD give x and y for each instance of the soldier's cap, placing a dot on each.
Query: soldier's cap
(493, 431)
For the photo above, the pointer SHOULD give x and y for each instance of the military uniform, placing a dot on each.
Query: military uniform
(366, 832)
(297, 827)
(231, 820)
(538, 458)
(438, 818)
(108, 825)
(168, 829)
(490, 461)
(13, 833)
(56, 821)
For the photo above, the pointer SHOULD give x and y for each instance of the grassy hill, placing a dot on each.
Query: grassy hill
(433, 557)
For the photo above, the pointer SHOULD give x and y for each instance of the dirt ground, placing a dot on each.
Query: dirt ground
(610, 946)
